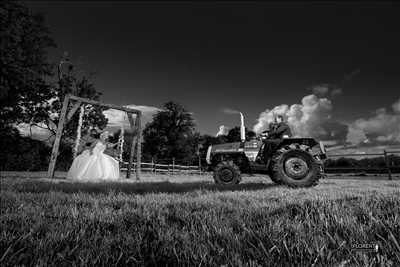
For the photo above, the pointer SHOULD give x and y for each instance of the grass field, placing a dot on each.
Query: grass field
(187, 220)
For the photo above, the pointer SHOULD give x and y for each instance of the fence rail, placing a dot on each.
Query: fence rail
(385, 154)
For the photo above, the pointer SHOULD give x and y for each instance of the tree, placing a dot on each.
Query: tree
(234, 134)
(22, 153)
(25, 66)
(171, 134)
(93, 115)
(27, 95)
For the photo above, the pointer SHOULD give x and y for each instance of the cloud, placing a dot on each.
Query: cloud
(334, 130)
(350, 76)
(396, 106)
(223, 130)
(116, 117)
(336, 91)
(311, 118)
(381, 128)
(230, 111)
(35, 132)
(333, 90)
(323, 90)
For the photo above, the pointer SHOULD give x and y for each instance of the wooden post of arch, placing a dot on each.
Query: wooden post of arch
(54, 152)
(136, 143)
(139, 145)
(133, 144)
(64, 118)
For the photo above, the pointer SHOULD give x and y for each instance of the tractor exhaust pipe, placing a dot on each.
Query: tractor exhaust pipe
(242, 129)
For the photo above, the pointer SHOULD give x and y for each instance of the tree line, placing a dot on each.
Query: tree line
(375, 164)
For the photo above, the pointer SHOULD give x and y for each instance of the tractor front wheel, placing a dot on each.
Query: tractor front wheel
(227, 173)
(295, 168)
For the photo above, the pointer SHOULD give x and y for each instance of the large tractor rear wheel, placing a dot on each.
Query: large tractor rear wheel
(227, 173)
(295, 168)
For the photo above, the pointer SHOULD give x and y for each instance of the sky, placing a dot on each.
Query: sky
(252, 57)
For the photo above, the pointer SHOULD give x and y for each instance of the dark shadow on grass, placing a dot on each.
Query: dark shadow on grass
(131, 188)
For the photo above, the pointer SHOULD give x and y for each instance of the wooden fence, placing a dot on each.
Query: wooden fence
(187, 169)
(385, 154)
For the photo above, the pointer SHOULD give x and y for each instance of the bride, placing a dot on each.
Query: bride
(93, 164)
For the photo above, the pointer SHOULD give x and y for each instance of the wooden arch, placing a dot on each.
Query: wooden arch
(65, 118)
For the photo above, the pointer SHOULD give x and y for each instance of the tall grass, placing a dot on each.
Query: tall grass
(149, 224)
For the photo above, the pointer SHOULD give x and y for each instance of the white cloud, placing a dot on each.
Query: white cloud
(336, 91)
(312, 118)
(223, 130)
(35, 132)
(326, 89)
(117, 117)
(396, 106)
(382, 127)
(230, 111)
(321, 89)
(306, 119)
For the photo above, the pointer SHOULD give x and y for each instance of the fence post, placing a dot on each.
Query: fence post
(173, 166)
(199, 165)
(387, 164)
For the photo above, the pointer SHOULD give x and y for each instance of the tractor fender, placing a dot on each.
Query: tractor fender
(311, 142)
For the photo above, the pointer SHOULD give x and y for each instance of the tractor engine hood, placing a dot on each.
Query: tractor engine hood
(253, 145)
(249, 148)
(229, 147)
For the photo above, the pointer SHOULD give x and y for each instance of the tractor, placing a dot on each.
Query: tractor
(296, 162)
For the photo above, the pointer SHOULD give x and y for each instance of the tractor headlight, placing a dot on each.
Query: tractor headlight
(208, 157)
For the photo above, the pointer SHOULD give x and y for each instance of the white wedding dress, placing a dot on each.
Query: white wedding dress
(97, 166)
